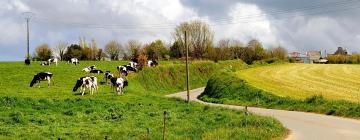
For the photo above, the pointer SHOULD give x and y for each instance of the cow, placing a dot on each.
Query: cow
(119, 84)
(133, 64)
(122, 70)
(108, 76)
(152, 63)
(130, 68)
(86, 83)
(45, 63)
(74, 61)
(89, 68)
(53, 60)
(41, 76)
(96, 71)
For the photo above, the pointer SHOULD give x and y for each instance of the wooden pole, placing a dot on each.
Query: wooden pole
(187, 70)
(164, 129)
(28, 40)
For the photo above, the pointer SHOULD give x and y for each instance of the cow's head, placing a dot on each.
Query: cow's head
(126, 83)
(79, 83)
(34, 80)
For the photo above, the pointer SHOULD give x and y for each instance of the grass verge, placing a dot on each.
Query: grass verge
(226, 88)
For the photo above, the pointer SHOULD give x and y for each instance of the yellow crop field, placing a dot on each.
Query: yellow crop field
(333, 81)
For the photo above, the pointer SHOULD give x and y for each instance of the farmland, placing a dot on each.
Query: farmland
(57, 112)
(335, 82)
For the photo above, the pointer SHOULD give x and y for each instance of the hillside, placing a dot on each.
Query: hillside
(57, 112)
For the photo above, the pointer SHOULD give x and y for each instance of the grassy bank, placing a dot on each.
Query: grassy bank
(227, 88)
(56, 111)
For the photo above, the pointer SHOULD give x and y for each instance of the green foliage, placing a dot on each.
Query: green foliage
(57, 112)
(73, 51)
(228, 89)
(156, 50)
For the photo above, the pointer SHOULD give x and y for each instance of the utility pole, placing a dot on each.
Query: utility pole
(27, 16)
(187, 70)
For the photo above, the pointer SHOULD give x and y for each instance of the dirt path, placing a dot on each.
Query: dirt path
(303, 126)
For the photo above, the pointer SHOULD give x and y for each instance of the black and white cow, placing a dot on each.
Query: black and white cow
(89, 68)
(119, 84)
(133, 64)
(108, 76)
(122, 70)
(152, 63)
(130, 68)
(41, 76)
(53, 60)
(45, 63)
(74, 61)
(86, 83)
(96, 71)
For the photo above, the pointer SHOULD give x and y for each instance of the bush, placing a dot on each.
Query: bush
(43, 52)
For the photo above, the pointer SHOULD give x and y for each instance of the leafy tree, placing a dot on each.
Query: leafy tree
(155, 50)
(257, 47)
(175, 50)
(43, 52)
(73, 51)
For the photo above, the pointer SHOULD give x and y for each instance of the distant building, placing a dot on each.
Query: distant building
(314, 56)
(299, 58)
(309, 57)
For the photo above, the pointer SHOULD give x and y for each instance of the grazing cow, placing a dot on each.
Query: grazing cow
(119, 84)
(96, 71)
(53, 60)
(86, 83)
(44, 63)
(74, 61)
(133, 64)
(130, 68)
(89, 68)
(122, 70)
(152, 63)
(41, 76)
(108, 76)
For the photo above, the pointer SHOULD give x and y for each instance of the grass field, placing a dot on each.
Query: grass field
(56, 111)
(337, 82)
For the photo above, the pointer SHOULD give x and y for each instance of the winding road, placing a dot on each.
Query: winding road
(302, 125)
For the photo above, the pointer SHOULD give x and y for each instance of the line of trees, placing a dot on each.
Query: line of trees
(199, 39)
(344, 59)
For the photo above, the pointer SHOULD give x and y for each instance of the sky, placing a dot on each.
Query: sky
(306, 25)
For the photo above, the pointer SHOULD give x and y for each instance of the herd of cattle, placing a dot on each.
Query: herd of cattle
(91, 82)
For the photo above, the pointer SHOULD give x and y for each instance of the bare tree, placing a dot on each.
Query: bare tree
(278, 52)
(113, 49)
(133, 47)
(199, 37)
(60, 50)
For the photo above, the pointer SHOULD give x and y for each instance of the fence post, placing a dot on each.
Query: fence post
(164, 129)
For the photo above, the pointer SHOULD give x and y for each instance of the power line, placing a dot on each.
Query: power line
(241, 19)
(272, 12)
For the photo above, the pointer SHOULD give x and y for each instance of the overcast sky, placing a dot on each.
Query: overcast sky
(294, 24)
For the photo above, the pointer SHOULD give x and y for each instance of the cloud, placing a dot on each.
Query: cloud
(296, 29)
(258, 28)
